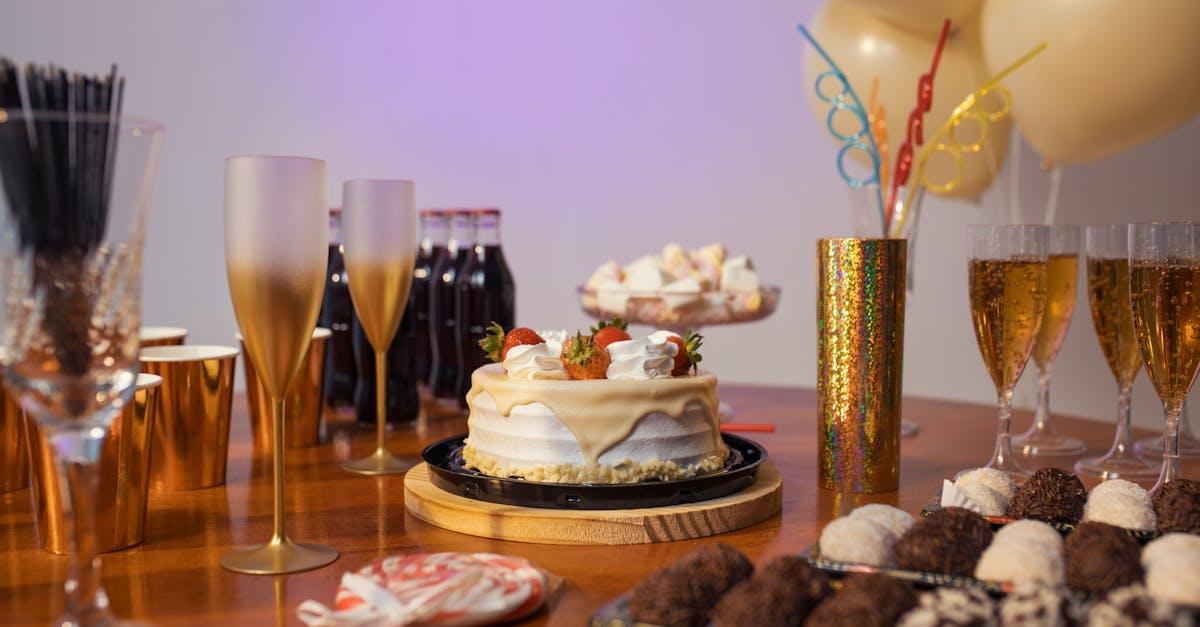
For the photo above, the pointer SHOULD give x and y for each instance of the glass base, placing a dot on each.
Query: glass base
(277, 558)
(909, 429)
(1152, 446)
(1128, 467)
(380, 462)
(1048, 442)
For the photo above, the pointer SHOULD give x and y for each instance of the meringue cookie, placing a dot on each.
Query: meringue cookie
(651, 357)
(613, 297)
(738, 275)
(681, 293)
(609, 271)
(646, 275)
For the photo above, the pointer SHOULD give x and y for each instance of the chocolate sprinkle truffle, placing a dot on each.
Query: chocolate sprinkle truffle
(684, 593)
(1039, 605)
(1050, 495)
(1177, 506)
(781, 593)
(866, 600)
(952, 607)
(949, 540)
(1101, 557)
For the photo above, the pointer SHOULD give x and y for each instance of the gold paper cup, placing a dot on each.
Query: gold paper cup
(303, 405)
(860, 350)
(14, 460)
(124, 469)
(191, 438)
(162, 336)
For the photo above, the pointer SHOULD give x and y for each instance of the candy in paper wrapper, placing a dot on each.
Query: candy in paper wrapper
(975, 497)
(434, 589)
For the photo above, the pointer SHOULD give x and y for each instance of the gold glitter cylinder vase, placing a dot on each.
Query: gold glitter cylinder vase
(860, 350)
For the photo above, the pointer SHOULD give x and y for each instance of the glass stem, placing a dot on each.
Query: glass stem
(76, 454)
(1041, 417)
(279, 535)
(1123, 441)
(380, 401)
(1170, 462)
(1003, 456)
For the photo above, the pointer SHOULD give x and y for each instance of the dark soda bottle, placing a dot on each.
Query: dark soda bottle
(485, 293)
(403, 402)
(435, 231)
(444, 371)
(337, 315)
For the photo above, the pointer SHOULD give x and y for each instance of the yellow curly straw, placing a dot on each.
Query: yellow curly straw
(944, 141)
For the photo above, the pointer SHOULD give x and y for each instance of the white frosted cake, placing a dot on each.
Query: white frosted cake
(618, 415)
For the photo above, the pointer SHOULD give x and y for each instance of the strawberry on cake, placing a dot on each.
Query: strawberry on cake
(598, 408)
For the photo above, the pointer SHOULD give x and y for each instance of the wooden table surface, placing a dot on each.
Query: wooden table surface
(175, 578)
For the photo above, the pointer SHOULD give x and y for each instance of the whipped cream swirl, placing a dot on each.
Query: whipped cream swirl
(651, 357)
(538, 361)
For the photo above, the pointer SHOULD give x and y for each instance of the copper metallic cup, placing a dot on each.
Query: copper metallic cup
(303, 405)
(124, 469)
(162, 336)
(191, 439)
(14, 460)
(860, 350)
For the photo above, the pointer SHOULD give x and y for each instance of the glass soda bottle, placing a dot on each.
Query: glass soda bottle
(485, 293)
(435, 231)
(444, 371)
(337, 315)
(403, 402)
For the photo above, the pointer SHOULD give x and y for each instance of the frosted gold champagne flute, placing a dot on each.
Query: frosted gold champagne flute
(276, 238)
(379, 237)
(1007, 280)
(1164, 289)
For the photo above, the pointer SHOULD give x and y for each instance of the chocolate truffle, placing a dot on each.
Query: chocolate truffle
(684, 593)
(867, 600)
(781, 593)
(1050, 495)
(952, 607)
(1133, 606)
(1177, 506)
(1037, 605)
(1101, 557)
(949, 540)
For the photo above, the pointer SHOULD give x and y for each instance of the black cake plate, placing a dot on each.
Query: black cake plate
(448, 472)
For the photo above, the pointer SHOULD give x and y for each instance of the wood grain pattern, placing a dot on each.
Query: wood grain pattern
(613, 527)
(175, 579)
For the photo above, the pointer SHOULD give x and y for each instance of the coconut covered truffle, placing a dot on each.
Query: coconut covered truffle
(1030, 531)
(997, 481)
(857, 541)
(865, 600)
(975, 497)
(684, 593)
(1177, 506)
(1050, 495)
(952, 607)
(1120, 503)
(1133, 606)
(949, 541)
(1101, 557)
(781, 593)
(894, 519)
(1172, 565)
(1037, 605)
(1022, 562)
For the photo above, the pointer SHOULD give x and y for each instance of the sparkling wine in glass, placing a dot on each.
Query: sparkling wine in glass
(1164, 288)
(72, 223)
(1062, 273)
(276, 238)
(379, 236)
(1007, 281)
(1112, 315)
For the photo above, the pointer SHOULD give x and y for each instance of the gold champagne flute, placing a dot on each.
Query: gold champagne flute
(276, 239)
(379, 236)
(1062, 274)
(1007, 279)
(1112, 315)
(1164, 288)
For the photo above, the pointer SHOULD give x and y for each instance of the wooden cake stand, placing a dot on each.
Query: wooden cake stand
(435, 506)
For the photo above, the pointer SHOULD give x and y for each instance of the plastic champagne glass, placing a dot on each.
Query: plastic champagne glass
(72, 228)
(379, 237)
(276, 239)
(1007, 283)
(1112, 315)
(1062, 276)
(1164, 288)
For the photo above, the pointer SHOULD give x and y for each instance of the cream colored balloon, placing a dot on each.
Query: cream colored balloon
(922, 16)
(865, 46)
(1116, 73)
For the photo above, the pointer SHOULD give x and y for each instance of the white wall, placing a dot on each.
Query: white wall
(605, 129)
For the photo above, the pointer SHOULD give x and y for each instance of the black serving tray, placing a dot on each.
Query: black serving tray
(1064, 528)
(448, 472)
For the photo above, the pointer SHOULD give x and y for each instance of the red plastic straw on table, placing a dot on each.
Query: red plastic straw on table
(748, 427)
